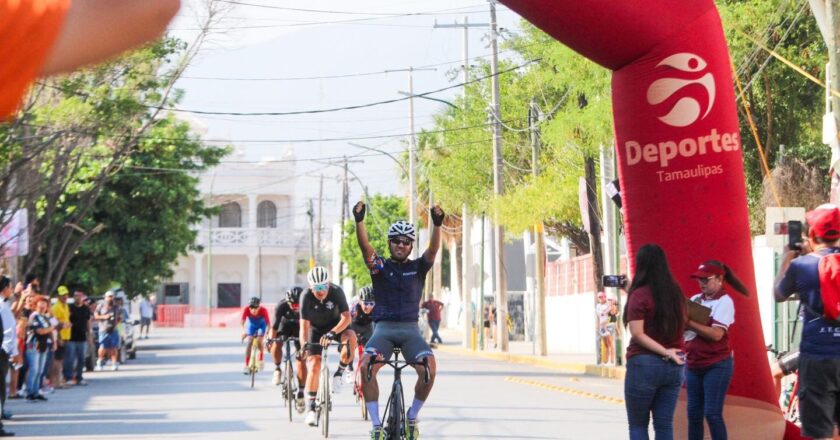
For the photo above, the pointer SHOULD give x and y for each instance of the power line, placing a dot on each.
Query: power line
(351, 107)
(326, 11)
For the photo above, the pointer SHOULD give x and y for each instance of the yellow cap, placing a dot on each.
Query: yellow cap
(63, 290)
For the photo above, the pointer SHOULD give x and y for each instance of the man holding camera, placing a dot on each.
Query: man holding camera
(819, 359)
(108, 315)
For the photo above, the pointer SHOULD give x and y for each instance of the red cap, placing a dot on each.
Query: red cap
(708, 270)
(824, 221)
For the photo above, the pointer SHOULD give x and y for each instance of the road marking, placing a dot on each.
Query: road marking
(565, 390)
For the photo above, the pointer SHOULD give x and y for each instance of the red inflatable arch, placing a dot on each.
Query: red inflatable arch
(680, 163)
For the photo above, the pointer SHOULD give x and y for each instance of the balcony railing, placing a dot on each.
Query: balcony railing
(264, 237)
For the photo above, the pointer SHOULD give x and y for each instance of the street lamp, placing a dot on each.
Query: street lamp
(390, 156)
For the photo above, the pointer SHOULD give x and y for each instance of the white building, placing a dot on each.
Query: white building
(251, 248)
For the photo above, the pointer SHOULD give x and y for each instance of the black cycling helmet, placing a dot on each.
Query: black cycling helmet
(293, 295)
(254, 302)
(366, 294)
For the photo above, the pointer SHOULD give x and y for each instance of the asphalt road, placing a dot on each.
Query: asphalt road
(187, 383)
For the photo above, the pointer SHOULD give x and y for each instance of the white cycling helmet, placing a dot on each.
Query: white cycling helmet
(402, 228)
(317, 275)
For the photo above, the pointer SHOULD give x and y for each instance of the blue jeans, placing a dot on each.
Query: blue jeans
(45, 371)
(74, 360)
(651, 385)
(37, 360)
(706, 391)
(435, 325)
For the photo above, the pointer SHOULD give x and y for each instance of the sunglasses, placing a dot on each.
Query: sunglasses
(320, 287)
(706, 280)
(402, 241)
(253, 307)
(369, 303)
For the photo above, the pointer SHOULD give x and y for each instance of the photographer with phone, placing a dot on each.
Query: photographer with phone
(709, 361)
(655, 313)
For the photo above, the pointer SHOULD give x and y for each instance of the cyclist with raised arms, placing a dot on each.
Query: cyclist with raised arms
(287, 325)
(324, 317)
(362, 314)
(398, 287)
(255, 321)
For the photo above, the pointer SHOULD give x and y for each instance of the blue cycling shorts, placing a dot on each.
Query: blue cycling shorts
(255, 328)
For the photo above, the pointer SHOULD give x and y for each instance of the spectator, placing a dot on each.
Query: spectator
(819, 350)
(38, 340)
(655, 313)
(48, 382)
(61, 312)
(47, 37)
(147, 312)
(434, 317)
(710, 362)
(8, 349)
(108, 316)
(612, 328)
(489, 321)
(74, 360)
(602, 314)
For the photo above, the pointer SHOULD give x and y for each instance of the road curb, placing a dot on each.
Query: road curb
(608, 372)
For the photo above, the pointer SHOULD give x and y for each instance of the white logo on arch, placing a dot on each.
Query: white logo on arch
(687, 110)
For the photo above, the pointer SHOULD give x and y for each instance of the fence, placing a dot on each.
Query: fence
(176, 315)
(573, 276)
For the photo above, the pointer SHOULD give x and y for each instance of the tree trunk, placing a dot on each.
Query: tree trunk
(594, 223)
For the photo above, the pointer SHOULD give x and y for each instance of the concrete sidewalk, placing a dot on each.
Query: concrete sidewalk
(521, 352)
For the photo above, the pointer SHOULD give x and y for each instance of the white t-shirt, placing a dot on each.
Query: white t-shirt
(723, 312)
(146, 310)
(603, 311)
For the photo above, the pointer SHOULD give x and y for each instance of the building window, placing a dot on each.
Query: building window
(231, 216)
(266, 215)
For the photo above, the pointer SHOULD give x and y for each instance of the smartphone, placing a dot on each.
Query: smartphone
(794, 228)
(615, 281)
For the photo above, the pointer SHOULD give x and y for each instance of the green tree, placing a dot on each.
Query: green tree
(382, 211)
(154, 196)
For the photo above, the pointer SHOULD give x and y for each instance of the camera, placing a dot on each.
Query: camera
(794, 229)
(619, 281)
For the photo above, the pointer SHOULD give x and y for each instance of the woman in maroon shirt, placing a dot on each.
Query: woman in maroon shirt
(655, 313)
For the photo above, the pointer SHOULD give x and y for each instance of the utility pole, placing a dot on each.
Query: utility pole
(320, 215)
(498, 190)
(466, 218)
(311, 213)
(539, 241)
(412, 151)
(345, 212)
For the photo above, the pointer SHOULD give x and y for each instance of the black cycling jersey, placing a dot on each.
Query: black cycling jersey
(285, 315)
(323, 315)
(360, 318)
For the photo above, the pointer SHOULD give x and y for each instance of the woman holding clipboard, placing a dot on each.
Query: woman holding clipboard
(709, 362)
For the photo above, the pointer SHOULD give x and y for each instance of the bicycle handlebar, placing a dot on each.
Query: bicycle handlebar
(395, 364)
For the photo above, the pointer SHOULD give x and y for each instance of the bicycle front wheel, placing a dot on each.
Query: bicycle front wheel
(288, 391)
(396, 419)
(325, 411)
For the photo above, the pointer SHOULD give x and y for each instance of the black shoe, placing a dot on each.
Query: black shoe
(4, 433)
(7, 415)
(40, 397)
(30, 397)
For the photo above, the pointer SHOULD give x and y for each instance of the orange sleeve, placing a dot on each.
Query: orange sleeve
(28, 30)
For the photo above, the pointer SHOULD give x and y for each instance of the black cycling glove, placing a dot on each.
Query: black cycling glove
(437, 219)
(359, 212)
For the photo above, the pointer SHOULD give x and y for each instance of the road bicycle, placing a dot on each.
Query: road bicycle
(357, 381)
(253, 364)
(323, 401)
(395, 416)
(290, 383)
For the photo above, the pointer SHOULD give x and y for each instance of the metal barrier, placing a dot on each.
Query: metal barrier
(177, 315)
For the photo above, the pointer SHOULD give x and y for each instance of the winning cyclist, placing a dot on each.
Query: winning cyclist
(362, 314)
(324, 317)
(398, 286)
(255, 321)
(287, 325)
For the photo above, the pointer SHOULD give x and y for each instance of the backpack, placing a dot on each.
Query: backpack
(829, 273)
